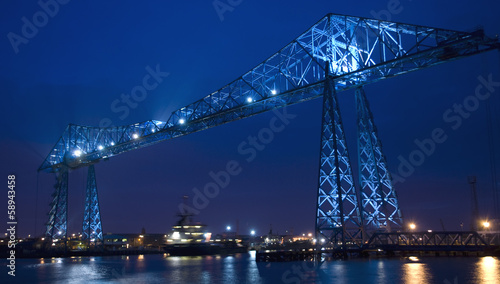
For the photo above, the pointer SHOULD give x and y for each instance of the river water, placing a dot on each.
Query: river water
(242, 268)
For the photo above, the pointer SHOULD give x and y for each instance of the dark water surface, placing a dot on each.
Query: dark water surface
(242, 268)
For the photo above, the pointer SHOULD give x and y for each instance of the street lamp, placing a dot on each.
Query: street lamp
(228, 228)
(486, 224)
(413, 226)
(252, 232)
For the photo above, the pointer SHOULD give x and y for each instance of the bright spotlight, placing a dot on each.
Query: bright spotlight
(59, 232)
(273, 92)
(413, 226)
(100, 147)
(135, 135)
(77, 153)
(252, 233)
(249, 99)
(228, 228)
(181, 121)
(112, 143)
(486, 224)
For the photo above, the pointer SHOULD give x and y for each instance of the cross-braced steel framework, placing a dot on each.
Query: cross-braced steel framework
(338, 216)
(378, 197)
(57, 224)
(92, 226)
(432, 241)
(360, 51)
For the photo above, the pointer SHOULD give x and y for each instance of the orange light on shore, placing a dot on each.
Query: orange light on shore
(412, 226)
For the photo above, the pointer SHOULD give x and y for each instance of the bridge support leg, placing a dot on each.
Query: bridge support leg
(58, 215)
(337, 211)
(378, 197)
(92, 226)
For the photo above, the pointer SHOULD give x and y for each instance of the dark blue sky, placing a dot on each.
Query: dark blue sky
(73, 68)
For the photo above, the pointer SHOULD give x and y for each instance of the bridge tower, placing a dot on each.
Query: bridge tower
(92, 225)
(58, 214)
(379, 201)
(337, 209)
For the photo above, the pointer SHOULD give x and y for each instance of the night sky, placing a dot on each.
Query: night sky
(74, 67)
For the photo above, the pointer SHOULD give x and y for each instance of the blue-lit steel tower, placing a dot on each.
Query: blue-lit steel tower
(92, 226)
(337, 210)
(58, 216)
(379, 202)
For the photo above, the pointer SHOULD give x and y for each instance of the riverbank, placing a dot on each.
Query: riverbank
(68, 253)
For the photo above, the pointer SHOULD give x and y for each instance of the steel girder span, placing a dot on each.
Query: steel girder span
(355, 51)
(360, 51)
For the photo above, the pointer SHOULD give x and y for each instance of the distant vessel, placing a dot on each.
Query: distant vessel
(190, 238)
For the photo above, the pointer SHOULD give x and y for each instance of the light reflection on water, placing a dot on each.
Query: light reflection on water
(414, 273)
(487, 270)
(85, 272)
(382, 277)
(242, 268)
(253, 270)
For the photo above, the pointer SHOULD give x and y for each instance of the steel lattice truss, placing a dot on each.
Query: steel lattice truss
(337, 217)
(378, 197)
(358, 50)
(92, 226)
(427, 239)
(58, 215)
